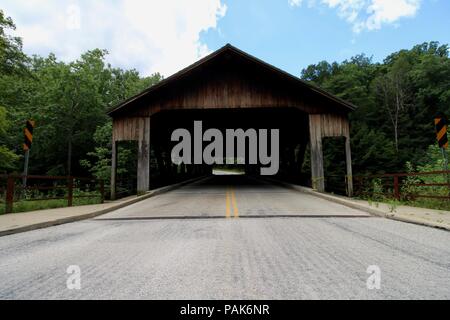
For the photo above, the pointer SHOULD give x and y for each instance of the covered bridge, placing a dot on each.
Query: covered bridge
(232, 89)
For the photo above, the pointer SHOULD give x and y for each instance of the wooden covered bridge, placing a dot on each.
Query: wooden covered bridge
(232, 89)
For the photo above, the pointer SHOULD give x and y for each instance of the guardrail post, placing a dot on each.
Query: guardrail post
(9, 194)
(102, 191)
(69, 191)
(396, 188)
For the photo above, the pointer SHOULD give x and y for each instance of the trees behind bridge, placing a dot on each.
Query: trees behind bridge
(397, 101)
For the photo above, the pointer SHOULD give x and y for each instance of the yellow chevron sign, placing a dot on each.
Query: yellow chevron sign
(28, 135)
(440, 123)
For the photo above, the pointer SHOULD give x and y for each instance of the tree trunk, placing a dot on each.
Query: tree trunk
(69, 156)
(396, 136)
(397, 112)
(73, 107)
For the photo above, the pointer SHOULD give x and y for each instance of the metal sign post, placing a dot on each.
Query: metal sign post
(28, 140)
(25, 168)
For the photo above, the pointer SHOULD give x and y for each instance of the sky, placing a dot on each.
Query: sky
(167, 35)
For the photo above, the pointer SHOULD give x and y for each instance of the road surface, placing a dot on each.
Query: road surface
(229, 238)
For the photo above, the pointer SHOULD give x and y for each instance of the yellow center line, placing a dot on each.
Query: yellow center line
(228, 211)
(233, 200)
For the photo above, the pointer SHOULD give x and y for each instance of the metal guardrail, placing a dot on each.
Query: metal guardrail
(48, 188)
(401, 186)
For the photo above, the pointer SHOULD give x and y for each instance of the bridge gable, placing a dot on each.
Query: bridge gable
(230, 78)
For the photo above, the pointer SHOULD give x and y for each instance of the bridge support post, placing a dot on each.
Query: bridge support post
(348, 160)
(143, 168)
(113, 169)
(315, 135)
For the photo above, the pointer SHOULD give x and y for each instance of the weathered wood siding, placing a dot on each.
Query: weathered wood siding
(231, 84)
(128, 128)
(143, 181)
(330, 125)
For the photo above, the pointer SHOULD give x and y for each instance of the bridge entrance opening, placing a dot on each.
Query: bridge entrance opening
(293, 129)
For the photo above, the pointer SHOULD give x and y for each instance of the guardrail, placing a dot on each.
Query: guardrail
(409, 186)
(42, 188)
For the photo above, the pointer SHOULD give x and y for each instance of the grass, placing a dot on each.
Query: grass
(422, 203)
(25, 206)
(429, 203)
(436, 204)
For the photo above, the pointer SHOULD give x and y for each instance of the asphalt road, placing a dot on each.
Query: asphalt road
(228, 238)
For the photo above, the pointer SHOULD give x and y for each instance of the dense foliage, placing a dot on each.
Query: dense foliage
(397, 100)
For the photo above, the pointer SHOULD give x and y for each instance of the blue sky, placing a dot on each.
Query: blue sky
(293, 37)
(167, 35)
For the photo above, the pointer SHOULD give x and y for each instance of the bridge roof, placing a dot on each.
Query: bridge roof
(228, 50)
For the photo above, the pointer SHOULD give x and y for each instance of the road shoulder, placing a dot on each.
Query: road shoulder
(27, 221)
(422, 216)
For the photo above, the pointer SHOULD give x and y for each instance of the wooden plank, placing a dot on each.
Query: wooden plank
(348, 160)
(113, 169)
(143, 172)
(317, 173)
(230, 90)
(334, 125)
(127, 128)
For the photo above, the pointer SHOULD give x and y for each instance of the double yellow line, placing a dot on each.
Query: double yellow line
(231, 203)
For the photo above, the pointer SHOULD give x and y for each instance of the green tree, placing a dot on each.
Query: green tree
(12, 59)
(396, 101)
(99, 162)
(394, 94)
(124, 85)
(68, 105)
(8, 159)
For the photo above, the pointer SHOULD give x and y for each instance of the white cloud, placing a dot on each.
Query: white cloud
(370, 14)
(149, 35)
(295, 3)
(388, 11)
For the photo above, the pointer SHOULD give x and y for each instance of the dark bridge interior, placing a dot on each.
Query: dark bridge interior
(292, 123)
